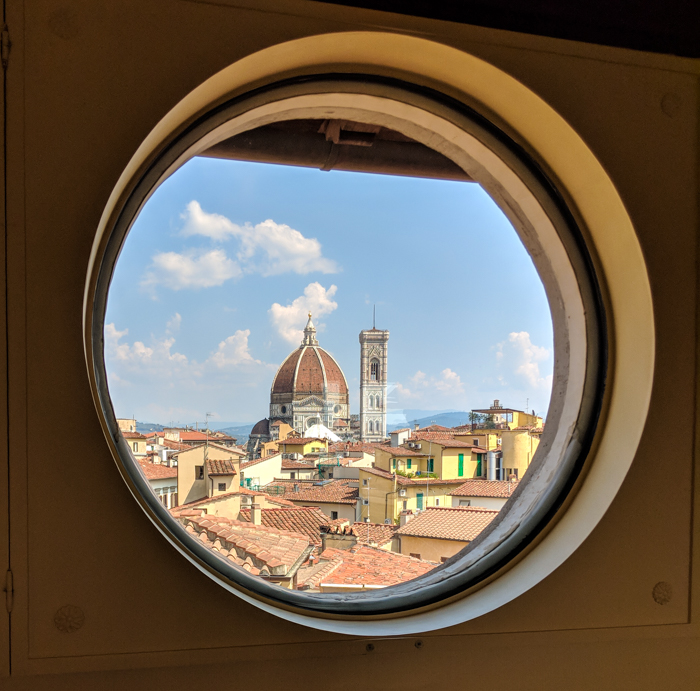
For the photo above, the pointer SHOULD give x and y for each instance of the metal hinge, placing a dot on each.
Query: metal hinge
(9, 591)
(6, 45)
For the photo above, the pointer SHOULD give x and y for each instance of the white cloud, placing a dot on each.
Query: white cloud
(138, 353)
(214, 226)
(267, 248)
(521, 357)
(290, 320)
(234, 351)
(167, 385)
(191, 269)
(174, 324)
(445, 391)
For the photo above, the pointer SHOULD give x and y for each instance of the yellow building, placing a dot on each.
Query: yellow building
(445, 458)
(137, 442)
(438, 533)
(201, 474)
(383, 495)
(498, 417)
(303, 446)
(518, 448)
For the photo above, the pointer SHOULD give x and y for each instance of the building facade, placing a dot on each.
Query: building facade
(373, 384)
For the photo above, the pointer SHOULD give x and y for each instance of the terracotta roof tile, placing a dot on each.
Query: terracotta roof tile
(284, 379)
(485, 488)
(356, 446)
(305, 520)
(376, 534)
(301, 465)
(402, 451)
(133, 435)
(330, 492)
(370, 566)
(217, 467)
(445, 523)
(268, 550)
(157, 471)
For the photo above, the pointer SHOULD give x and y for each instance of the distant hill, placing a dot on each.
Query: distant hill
(449, 419)
(240, 432)
(145, 427)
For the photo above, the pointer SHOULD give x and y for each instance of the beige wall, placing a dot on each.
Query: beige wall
(296, 474)
(264, 472)
(188, 486)
(384, 503)
(430, 549)
(486, 502)
(344, 510)
(126, 424)
(86, 83)
(518, 449)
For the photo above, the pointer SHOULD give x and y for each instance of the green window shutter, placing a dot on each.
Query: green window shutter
(393, 463)
(430, 465)
(419, 500)
(460, 465)
(478, 465)
(408, 463)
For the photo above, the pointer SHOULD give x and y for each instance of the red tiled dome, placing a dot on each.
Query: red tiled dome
(306, 371)
(262, 427)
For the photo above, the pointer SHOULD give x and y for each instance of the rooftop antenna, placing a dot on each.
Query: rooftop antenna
(374, 317)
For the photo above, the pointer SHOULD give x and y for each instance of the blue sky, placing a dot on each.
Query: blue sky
(214, 282)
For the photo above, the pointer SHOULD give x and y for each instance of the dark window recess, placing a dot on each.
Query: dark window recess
(338, 145)
(199, 472)
(222, 487)
(414, 555)
(334, 515)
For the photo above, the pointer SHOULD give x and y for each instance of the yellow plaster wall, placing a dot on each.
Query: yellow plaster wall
(429, 549)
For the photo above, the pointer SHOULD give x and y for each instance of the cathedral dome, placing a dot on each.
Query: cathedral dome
(309, 370)
(261, 428)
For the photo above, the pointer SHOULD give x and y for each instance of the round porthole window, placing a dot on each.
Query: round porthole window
(450, 134)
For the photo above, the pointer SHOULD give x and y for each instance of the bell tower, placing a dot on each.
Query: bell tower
(373, 384)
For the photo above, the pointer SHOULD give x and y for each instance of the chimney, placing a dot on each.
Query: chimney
(255, 514)
(405, 517)
(416, 426)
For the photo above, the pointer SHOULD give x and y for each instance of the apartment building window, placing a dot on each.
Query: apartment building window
(431, 465)
(419, 501)
(136, 447)
(221, 486)
(393, 463)
(460, 465)
(199, 472)
(334, 515)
